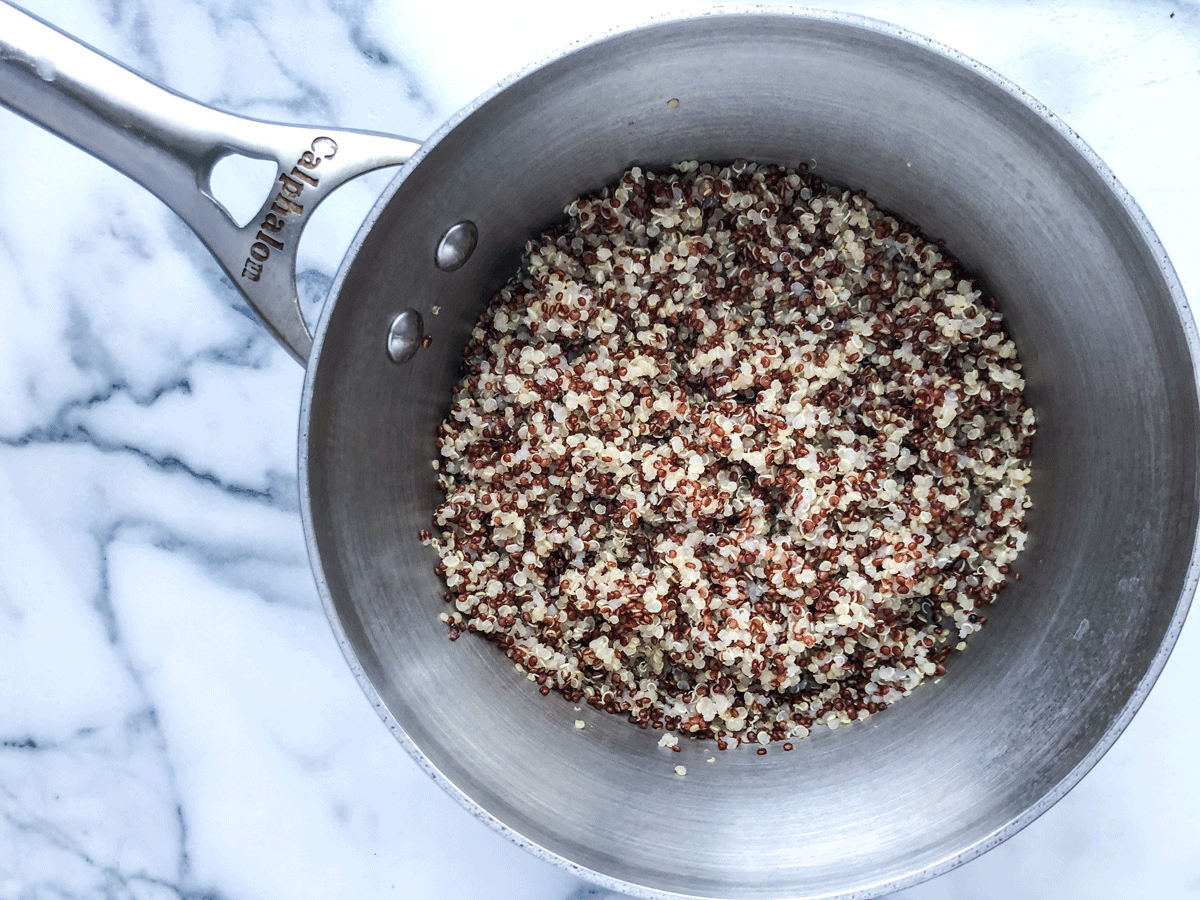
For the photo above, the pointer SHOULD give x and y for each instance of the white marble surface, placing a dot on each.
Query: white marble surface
(176, 719)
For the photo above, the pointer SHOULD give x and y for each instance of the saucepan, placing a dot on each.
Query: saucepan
(1100, 319)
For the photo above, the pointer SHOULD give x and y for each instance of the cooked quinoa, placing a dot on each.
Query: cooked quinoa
(735, 454)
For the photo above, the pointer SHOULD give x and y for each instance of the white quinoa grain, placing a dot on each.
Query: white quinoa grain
(735, 454)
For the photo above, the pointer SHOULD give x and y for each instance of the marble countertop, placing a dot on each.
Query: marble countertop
(176, 719)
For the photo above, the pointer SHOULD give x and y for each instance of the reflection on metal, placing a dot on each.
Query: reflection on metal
(404, 336)
(456, 246)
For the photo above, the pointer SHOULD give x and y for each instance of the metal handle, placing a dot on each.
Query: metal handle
(169, 144)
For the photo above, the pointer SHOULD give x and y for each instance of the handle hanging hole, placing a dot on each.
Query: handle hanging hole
(240, 184)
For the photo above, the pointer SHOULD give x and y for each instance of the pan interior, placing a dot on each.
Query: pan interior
(1066, 654)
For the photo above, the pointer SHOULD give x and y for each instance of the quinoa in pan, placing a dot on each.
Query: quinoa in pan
(735, 454)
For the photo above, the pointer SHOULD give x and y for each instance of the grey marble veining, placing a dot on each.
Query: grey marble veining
(175, 717)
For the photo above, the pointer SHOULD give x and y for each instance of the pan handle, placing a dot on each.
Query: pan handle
(169, 144)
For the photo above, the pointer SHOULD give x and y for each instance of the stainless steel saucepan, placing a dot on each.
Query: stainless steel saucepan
(1100, 319)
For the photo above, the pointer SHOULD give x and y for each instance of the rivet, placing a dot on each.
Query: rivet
(456, 246)
(404, 335)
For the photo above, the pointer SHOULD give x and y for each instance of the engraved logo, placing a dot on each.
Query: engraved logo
(285, 206)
